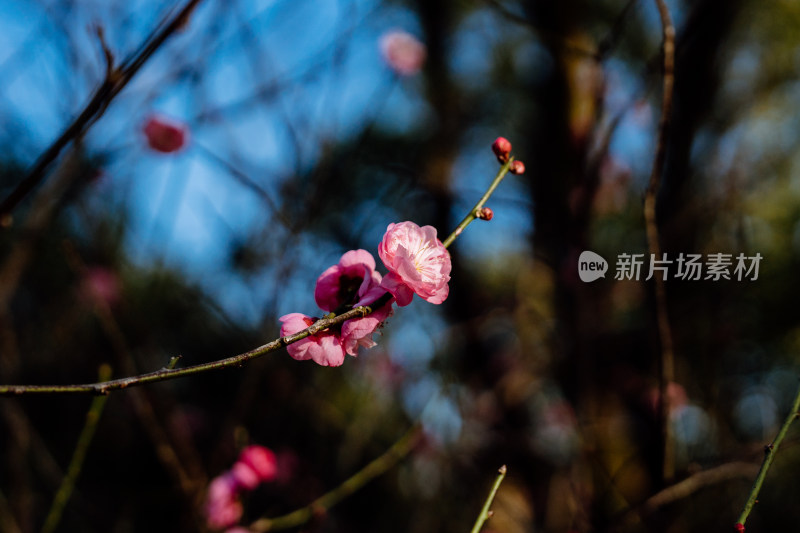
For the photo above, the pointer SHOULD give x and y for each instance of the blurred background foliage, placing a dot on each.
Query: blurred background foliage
(305, 144)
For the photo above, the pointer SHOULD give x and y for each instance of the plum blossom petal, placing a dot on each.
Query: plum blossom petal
(403, 52)
(346, 281)
(324, 348)
(222, 508)
(261, 460)
(394, 284)
(246, 478)
(417, 261)
(358, 331)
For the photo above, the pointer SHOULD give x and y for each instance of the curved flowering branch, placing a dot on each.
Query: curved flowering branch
(332, 319)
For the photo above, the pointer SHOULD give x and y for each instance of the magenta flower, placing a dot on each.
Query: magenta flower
(259, 460)
(223, 508)
(403, 52)
(417, 261)
(165, 134)
(358, 331)
(324, 348)
(348, 281)
(354, 282)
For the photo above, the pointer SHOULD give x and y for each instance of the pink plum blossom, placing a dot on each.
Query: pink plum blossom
(223, 508)
(324, 348)
(354, 282)
(417, 261)
(245, 477)
(403, 52)
(358, 331)
(348, 281)
(101, 285)
(164, 134)
(261, 461)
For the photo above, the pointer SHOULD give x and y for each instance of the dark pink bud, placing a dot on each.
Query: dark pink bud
(502, 149)
(486, 213)
(739, 528)
(164, 134)
(517, 167)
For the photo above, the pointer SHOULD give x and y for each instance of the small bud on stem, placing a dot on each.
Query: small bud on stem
(485, 213)
(517, 167)
(502, 149)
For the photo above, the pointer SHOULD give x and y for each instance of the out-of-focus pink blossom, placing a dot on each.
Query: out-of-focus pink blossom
(417, 262)
(677, 397)
(237, 530)
(324, 348)
(164, 134)
(517, 167)
(403, 52)
(101, 284)
(223, 508)
(261, 461)
(246, 478)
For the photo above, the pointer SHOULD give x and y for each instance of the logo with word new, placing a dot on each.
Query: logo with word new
(591, 266)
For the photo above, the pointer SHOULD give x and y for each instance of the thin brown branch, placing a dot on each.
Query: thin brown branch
(666, 354)
(687, 487)
(698, 481)
(115, 80)
(171, 373)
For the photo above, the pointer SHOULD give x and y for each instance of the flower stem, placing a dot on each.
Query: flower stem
(485, 512)
(473, 214)
(769, 456)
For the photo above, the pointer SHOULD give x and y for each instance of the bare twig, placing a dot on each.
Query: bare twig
(667, 356)
(166, 373)
(115, 80)
(696, 482)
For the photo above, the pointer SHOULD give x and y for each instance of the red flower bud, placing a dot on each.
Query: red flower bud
(501, 148)
(739, 528)
(486, 213)
(517, 167)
